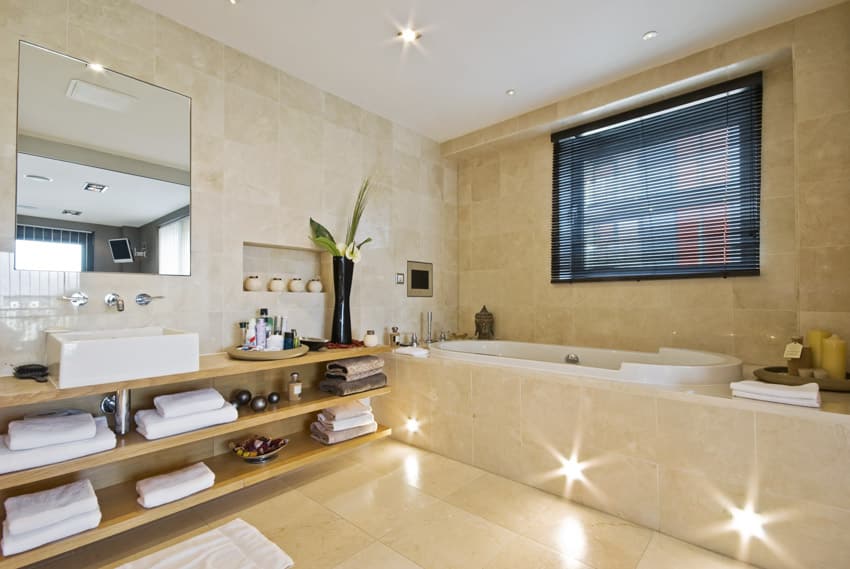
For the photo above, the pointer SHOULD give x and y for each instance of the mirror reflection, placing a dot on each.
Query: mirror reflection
(103, 173)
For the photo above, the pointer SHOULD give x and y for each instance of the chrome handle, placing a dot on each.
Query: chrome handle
(114, 299)
(143, 298)
(77, 299)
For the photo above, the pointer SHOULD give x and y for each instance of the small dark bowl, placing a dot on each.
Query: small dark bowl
(315, 344)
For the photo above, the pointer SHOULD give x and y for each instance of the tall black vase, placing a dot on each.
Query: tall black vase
(343, 272)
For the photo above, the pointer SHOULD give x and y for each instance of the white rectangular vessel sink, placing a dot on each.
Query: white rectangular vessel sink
(107, 356)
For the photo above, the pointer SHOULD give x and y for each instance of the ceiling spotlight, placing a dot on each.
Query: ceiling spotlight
(510, 92)
(650, 35)
(93, 187)
(37, 178)
(408, 35)
(71, 212)
(95, 67)
(234, 2)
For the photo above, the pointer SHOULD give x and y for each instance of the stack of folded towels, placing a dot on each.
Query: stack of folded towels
(47, 439)
(35, 519)
(344, 422)
(158, 490)
(184, 412)
(807, 395)
(354, 375)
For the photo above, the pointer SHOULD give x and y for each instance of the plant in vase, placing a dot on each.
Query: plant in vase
(345, 255)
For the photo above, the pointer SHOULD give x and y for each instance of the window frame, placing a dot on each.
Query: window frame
(570, 218)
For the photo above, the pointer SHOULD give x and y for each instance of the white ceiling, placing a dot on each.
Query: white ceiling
(472, 51)
(155, 129)
(130, 201)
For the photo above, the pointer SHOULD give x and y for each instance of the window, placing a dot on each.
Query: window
(53, 249)
(667, 191)
(173, 247)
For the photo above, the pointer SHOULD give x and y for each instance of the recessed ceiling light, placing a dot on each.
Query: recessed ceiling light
(71, 212)
(408, 35)
(234, 2)
(93, 187)
(37, 178)
(510, 92)
(650, 35)
(95, 67)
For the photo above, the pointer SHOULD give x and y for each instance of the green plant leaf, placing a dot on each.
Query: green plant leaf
(367, 240)
(328, 244)
(319, 230)
(359, 208)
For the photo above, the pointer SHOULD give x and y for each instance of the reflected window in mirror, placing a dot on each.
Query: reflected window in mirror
(102, 159)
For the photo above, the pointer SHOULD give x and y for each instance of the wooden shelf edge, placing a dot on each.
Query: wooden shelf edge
(14, 392)
(133, 445)
(121, 512)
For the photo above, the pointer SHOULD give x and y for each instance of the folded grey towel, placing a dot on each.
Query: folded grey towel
(341, 387)
(351, 366)
(351, 376)
(326, 437)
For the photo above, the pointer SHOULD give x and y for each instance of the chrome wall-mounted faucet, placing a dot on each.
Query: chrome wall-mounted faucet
(114, 299)
(143, 298)
(77, 299)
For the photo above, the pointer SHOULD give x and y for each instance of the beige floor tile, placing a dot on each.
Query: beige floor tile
(378, 556)
(510, 504)
(599, 540)
(385, 456)
(381, 505)
(336, 483)
(669, 553)
(437, 475)
(524, 553)
(445, 537)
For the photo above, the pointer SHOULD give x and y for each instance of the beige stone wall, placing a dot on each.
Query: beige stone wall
(268, 152)
(677, 462)
(504, 213)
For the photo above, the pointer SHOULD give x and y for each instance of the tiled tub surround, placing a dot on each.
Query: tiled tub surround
(268, 152)
(504, 197)
(675, 461)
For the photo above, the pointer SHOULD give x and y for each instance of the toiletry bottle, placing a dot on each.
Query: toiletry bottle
(370, 339)
(243, 329)
(251, 334)
(261, 330)
(287, 340)
(294, 387)
(296, 341)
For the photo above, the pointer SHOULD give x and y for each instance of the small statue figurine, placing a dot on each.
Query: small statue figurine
(484, 324)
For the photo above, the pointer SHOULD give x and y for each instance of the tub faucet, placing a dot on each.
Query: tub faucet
(114, 299)
(571, 359)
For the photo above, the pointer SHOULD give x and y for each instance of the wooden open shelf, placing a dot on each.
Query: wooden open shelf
(121, 512)
(134, 445)
(15, 392)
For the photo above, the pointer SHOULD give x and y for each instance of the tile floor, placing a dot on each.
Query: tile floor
(392, 506)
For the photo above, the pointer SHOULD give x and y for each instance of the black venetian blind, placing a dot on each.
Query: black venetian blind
(666, 191)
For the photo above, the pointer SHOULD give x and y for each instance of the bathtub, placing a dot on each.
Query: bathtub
(668, 366)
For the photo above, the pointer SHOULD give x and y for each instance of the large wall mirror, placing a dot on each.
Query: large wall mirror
(103, 173)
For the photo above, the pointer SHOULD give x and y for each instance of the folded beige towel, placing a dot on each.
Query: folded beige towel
(348, 409)
(343, 424)
(342, 387)
(349, 367)
(328, 437)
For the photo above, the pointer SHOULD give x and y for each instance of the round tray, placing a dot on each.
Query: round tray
(260, 459)
(238, 354)
(780, 375)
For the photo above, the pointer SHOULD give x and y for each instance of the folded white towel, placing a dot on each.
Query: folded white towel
(411, 351)
(343, 424)
(151, 425)
(13, 460)
(807, 395)
(37, 432)
(158, 490)
(348, 410)
(189, 402)
(233, 545)
(16, 543)
(31, 512)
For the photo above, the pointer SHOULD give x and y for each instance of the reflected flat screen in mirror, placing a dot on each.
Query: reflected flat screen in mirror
(103, 170)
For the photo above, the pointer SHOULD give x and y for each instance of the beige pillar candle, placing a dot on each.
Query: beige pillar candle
(815, 339)
(835, 357)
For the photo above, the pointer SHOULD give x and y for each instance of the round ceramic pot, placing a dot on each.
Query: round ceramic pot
(296, 285)
(252, 283)
(315, 285)
(277, 285)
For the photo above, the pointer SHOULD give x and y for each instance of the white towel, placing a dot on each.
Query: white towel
(231, 546)
(13, 460)
(807, 395)
(37, 432)
(16, 543)
(348, 410)
(31, 512)
(158, 490)
(411, 351)
(343, 424)
(151, 425)
(189, 402)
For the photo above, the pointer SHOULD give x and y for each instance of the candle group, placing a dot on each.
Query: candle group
(834, 357)
(815, 339)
